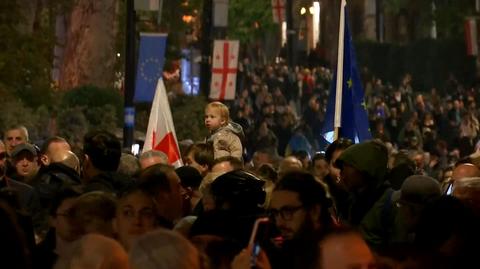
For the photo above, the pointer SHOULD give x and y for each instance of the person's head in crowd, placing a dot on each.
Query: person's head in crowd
(416, 192)
(163, 249)
(94, 251)
(288, 164)
(184, 145)
(15, 135)
(216, 115)
(418, 157)
(267, 173)
(299, 206)
(216, 252)
(151, 157)
(61, 216)
(93, 212)
(51, 147)
(136, 215)
(464, 170)
(304, 157)
(15, 253)
(129, 165)
(331, 154)
(320, 166)
(163, 184)
(25, 159)
(226, 164)
(262, 156)
(449, 228)
(200, 157)
(363, 166)
(102, 153)
(238, 191)
(3, 159)
(344, 249)
(401, 167)
(68, 159)
(467, 190)
(190, 179)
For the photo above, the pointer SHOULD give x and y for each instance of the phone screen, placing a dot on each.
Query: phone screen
(449, 189)
(259, 234)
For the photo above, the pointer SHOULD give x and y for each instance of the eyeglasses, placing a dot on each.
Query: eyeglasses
(286, 212)
(3, 155)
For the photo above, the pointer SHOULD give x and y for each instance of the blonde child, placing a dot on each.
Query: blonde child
(224, 134)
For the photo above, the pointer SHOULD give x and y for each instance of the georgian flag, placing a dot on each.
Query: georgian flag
(224, 69)
(161, 131)
(471, 36)
(278, 11)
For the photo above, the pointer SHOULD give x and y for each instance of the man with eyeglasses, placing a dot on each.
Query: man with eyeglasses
(300, 210)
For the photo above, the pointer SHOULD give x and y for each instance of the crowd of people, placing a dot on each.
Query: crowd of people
(263, 190)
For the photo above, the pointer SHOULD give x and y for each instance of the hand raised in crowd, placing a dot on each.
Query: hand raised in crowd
(244, 258)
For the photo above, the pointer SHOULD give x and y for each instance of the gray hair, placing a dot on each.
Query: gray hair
(21, 128)
(154, 153)
(164, 249)
(129, 165)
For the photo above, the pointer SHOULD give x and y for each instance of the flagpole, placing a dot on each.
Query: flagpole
(339, 85)
(129, 86)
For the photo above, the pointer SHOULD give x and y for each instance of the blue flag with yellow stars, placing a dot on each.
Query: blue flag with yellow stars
(150, 65)
(354, 117)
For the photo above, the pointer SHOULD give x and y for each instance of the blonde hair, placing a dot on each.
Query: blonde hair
(221, 108)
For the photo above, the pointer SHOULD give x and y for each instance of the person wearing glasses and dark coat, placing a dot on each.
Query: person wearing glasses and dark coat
(301, 212)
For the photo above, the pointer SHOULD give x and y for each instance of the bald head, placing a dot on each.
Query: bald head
(52, 149)
(66, 158)
(95, 251)
(344, 250)
(465, 170)
(289, 164)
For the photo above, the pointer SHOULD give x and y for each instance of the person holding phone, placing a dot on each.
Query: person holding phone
(299, 209)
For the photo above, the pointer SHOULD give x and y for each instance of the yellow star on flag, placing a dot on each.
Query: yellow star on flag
(364, 105)
(349, 83)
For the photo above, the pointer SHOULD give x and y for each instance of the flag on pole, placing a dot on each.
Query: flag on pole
(471, 36)
(278, 11)
(161, 131)
(150, 65)
(352, 119)
(224, 69)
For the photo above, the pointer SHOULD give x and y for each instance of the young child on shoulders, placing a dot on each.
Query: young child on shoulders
(224, 134)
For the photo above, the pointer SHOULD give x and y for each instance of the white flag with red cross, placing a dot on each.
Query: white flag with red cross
(224, 69)
(161, 131)
(278, 11)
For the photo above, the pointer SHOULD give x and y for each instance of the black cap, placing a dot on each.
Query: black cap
(24, 147)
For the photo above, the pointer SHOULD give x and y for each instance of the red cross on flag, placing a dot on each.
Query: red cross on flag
(224, 69)
(278, 10)
(160, 131)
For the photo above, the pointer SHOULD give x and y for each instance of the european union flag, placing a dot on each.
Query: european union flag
(354, 118)
(150, 65)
